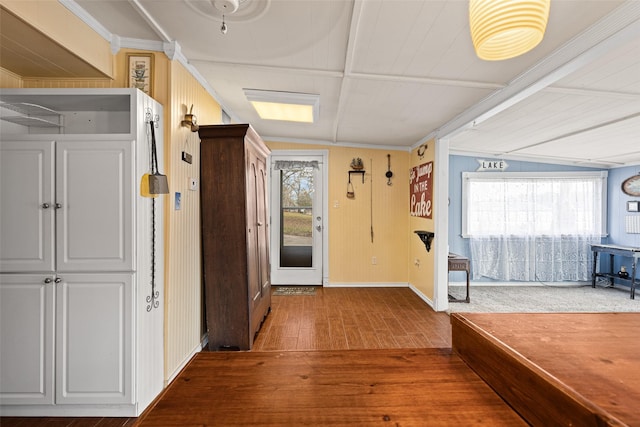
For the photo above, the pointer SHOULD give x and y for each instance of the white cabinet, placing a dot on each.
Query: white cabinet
(93, 338)
(78, 336)
(91, 332)
(86, 192)
(27, 308)
(27, 220)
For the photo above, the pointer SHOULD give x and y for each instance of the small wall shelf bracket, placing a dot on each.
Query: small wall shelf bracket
(361, 172)
(426, 237)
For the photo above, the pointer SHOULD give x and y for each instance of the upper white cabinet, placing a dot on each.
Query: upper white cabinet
(80, 333)
(27, 223)
(74, 196)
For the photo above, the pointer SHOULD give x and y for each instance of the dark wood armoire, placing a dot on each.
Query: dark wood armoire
(235, 234)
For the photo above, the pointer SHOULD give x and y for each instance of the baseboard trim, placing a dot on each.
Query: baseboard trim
(422, 296)
(197, 349)
(366, 285)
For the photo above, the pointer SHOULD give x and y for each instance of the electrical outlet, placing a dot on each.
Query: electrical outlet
(417, 262)
(374, 260)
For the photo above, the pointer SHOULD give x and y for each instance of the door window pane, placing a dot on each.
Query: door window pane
(296, 217)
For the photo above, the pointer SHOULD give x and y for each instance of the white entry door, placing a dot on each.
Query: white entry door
(298, 225)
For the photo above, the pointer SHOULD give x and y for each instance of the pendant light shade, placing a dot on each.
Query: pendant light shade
(502, 29)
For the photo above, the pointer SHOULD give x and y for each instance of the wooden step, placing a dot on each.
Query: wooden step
(579, 369)
(390, 387)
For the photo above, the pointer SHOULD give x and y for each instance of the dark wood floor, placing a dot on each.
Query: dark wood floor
(353, 319)
(382, 387)
(333, 319)
(582, 368)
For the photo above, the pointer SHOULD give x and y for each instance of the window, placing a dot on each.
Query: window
(526, 204)
(533, 226)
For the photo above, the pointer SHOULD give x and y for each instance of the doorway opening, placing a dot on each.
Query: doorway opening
(297, 214)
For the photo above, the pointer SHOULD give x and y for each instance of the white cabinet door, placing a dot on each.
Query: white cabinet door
(94, 191)
(26, 339)
(27, 200)
(94, 338)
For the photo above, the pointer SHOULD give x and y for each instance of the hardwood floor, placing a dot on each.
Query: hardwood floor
(582, 368)
(388, 387)
(333, 319)
(352, 319)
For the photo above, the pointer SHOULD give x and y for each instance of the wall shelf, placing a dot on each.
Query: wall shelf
(357, 172)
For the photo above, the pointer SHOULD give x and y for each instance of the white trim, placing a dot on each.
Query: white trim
(184, 363)
(366, 285)
(422, 296)
(272, 138)
(297, 154)
(441, 226)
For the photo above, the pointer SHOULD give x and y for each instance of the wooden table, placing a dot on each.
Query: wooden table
(459, 263)
(613, 250)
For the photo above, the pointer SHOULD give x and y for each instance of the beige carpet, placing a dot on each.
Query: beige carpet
(573, 298)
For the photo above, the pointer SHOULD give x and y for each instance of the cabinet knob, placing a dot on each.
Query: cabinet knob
(259, 224)
(45, 206)
(319, 227)
(57, 280)
(58, 205)
(48, 280)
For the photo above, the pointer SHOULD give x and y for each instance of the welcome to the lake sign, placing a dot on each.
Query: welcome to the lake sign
(420, 188)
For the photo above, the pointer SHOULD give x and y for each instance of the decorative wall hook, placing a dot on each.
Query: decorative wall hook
(190, 121)
(426, 237)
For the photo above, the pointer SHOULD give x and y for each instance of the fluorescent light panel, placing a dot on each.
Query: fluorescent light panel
(287, 106)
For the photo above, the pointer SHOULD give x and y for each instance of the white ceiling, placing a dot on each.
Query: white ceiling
(391, 73)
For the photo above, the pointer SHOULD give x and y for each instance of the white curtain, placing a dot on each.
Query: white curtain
(531, 258)
(534, 229)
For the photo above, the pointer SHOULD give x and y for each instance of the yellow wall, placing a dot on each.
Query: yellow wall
(183, 312)
(9, 79)
(350, 247)
(421, 276)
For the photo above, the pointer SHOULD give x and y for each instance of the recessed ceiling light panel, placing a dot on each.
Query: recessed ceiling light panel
(286, 106)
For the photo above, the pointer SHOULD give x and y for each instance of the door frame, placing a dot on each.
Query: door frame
(275, 239)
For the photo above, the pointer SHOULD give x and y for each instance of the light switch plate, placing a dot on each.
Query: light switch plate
(193, 184)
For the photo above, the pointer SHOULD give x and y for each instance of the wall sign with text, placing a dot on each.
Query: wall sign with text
(491, 165)
(421, 190)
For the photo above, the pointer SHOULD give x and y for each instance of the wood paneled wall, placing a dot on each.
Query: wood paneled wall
(422, 273)
(183, 293)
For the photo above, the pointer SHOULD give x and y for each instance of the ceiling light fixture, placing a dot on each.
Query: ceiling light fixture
(503, 29)
(226, 6)
(287, 106)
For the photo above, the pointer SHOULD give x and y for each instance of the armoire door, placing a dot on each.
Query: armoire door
(28, 206)
(254, 227)
(94, 206)
(263, 231)
(258, 232)
(94, 338)
(26, 339)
